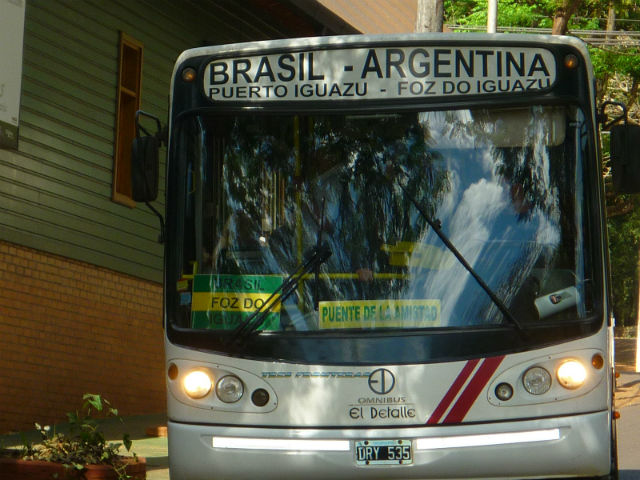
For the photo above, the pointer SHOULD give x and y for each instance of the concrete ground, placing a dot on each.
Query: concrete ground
(154, 448)
(625, 354)
(628, 382)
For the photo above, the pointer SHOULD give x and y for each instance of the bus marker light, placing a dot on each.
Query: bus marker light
(571, 61)
(172, 372)
(483, 440)
(536, 381)
(197, 384)
(597, 361)
(229, 389)
(504, 391)
(189, 74)
(571, 374)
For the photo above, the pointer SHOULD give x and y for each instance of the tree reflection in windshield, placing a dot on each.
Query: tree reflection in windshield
(263, 191)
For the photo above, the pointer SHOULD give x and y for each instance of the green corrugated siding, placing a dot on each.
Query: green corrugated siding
(55, 192)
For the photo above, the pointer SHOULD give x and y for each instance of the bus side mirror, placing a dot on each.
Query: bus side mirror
(625, 158)
(145, 164)
(145, 161)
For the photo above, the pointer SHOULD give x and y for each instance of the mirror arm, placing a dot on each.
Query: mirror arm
(160, 219)
(161, 133)
(602, 116)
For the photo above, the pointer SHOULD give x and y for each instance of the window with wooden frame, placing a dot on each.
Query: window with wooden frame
(129, 86)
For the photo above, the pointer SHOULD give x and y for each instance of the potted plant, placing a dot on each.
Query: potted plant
(82, 453)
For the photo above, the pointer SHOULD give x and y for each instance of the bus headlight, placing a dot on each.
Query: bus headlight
(197, 384)
(229, 389)
(536, 381)
(571, 374)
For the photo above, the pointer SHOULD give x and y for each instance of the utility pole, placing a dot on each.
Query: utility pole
(492, 16)
(430, 16)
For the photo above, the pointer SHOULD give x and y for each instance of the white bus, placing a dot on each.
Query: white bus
(386, 258)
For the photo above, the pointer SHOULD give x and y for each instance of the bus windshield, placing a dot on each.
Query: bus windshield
(349, 223)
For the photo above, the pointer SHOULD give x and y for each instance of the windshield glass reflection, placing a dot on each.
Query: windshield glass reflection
(263, 194)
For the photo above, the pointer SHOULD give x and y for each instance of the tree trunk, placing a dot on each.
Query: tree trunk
(430, 16)
(611, 23)
(632, 97)
(562, 16)
(601, 86)
(560, 22)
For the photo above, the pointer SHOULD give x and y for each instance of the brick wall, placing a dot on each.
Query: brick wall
(67, 328)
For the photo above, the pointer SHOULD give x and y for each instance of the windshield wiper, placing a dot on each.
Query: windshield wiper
(437, 228)
(319, 255)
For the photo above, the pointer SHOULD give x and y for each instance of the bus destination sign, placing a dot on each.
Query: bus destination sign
(380, 73)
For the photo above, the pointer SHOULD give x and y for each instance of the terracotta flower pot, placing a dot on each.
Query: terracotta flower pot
(18, 469)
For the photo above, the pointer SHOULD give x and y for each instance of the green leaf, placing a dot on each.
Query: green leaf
(72, 417)
(93, 400)
(126, 440)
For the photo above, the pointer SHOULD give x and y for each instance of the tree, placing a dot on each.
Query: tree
(563, 13)
(578, 14)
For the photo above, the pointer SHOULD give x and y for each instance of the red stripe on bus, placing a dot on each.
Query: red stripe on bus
(453, 391)
(475, 386)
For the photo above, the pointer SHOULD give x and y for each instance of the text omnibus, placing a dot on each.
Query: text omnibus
(386, 258)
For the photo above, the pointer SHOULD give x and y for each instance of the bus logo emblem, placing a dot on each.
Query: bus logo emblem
(381, 381)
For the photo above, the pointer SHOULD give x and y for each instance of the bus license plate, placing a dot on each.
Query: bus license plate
(383, 452)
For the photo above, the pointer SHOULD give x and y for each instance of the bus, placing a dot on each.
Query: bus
(386, 258)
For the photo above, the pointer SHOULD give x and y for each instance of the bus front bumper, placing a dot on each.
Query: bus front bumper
(562, 447)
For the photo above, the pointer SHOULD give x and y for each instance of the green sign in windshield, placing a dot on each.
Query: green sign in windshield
(226, 301)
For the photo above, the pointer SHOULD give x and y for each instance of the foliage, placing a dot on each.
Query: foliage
(617, 71)
(618, 75)
(624, 241)
(85, 443)
(511, 12)
(622, 62)
(591, 14)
